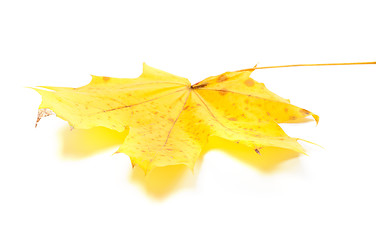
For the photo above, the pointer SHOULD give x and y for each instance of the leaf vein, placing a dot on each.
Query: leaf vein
(149, 100)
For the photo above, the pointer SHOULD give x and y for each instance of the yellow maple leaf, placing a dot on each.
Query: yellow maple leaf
(169, 121)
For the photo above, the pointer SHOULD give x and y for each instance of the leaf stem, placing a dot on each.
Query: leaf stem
(307, 65)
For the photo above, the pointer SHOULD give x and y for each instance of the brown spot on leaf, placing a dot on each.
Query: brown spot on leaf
(222, 92)
(106, 79)
(171, 119)
(200, 85)
(222, 78)
(232, 119)
(249, 82)
(306, 112)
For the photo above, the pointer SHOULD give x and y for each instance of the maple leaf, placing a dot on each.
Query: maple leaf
(169, 120)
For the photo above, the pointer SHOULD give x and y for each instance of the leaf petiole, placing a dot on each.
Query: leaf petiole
(307, 65)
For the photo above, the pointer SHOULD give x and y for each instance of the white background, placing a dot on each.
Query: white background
(61, 184)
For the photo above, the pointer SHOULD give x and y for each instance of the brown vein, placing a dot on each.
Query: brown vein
(149, 100)
(95, 94)
(173, 125)
(140, 84)
(215, 118)
(211, 113)
(132, 84)
(244, 94)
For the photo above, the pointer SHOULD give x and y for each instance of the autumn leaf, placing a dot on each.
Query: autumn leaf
(169, 121)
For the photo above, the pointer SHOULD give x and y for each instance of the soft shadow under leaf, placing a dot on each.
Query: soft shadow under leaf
(267, 161)
(81, 143)
(163, 181)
